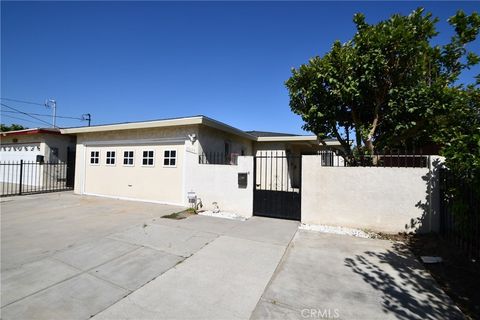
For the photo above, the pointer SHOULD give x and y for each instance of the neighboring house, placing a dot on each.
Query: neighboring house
(34, 148)
(31, 145)
(156, 160)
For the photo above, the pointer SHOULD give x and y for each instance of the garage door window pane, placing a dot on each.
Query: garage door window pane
(128, 158)
(110, 159)
(169, 158)
(148, 158)
(94, 157)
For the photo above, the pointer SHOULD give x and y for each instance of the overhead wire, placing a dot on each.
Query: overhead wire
(25, 113)
(46, 115)
(24, 101)
(18, 118)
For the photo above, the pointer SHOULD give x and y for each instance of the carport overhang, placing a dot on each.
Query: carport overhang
(310, 141)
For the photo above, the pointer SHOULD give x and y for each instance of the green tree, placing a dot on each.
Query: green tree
(459, 134)
(12, 127)
(387, 85)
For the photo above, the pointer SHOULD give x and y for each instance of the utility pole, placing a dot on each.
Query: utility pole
(52, 103)
(87, 117)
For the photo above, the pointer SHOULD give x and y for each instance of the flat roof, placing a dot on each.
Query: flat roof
(184, 121)
(260, 136)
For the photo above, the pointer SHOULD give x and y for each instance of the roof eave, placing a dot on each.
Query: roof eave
(287, 139)
(29, 131)
(135, 125)
(315, 139)
(161, 123)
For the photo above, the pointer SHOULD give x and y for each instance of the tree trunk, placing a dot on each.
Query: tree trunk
(369, 140)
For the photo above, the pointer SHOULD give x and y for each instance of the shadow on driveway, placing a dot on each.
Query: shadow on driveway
(410, 291)
(335, 276)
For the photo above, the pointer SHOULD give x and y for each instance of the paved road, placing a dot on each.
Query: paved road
(71, 257)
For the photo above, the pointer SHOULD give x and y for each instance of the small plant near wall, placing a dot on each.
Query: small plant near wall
(181, 215)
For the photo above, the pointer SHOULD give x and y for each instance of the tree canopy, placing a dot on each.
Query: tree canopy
(12, 127)
(389, 86)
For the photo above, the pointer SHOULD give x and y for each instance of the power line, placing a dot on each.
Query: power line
(45, 115)
(17, 118)
(3, 104)
(24, 101)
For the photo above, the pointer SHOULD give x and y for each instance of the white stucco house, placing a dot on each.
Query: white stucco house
(165, 160)
(28, 144)
(36, 159)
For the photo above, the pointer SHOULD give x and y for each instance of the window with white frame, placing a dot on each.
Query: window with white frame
(110, 158)
(128, 157)
(148, 158)
(94, 157)
(170, 158)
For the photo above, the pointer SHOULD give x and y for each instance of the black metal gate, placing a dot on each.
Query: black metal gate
(28, 177)
(277, 185)
(70, 168)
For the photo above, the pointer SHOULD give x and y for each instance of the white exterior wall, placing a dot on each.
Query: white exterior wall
(213, 140)
(381, 199)
(42, 143)
(219, 183)
(62, 142)
(15, 151)
(27, 147)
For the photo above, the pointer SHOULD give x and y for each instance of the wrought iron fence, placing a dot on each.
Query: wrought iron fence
(388, 159)
(25, 177)
(218, 158)
(460, 212)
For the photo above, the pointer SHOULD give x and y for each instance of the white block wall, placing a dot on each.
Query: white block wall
(219, 183)
(381, 199)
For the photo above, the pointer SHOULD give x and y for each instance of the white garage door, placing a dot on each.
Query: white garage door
(142, 172)
(17, 152)
(11, 155)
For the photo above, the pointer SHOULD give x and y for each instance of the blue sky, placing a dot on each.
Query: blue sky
(125, 61)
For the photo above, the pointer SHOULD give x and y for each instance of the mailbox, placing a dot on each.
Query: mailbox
(242, 180)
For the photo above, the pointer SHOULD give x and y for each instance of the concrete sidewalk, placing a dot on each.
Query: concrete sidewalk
(337, 276)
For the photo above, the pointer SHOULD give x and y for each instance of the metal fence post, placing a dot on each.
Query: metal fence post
(21, 178)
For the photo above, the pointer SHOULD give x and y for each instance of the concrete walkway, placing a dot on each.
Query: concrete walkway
(111, 259)
(336, 276)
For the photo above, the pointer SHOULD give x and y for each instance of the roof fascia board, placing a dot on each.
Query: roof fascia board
(283, 138)
(135, 125)
(161, 123)
(298, 139)
(332, 143)
(29, 131)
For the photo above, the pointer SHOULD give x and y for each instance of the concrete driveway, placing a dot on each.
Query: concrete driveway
(71, 257)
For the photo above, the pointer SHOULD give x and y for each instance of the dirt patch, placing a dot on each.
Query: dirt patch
(457, 275)
(401, 237)
(181, 215)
